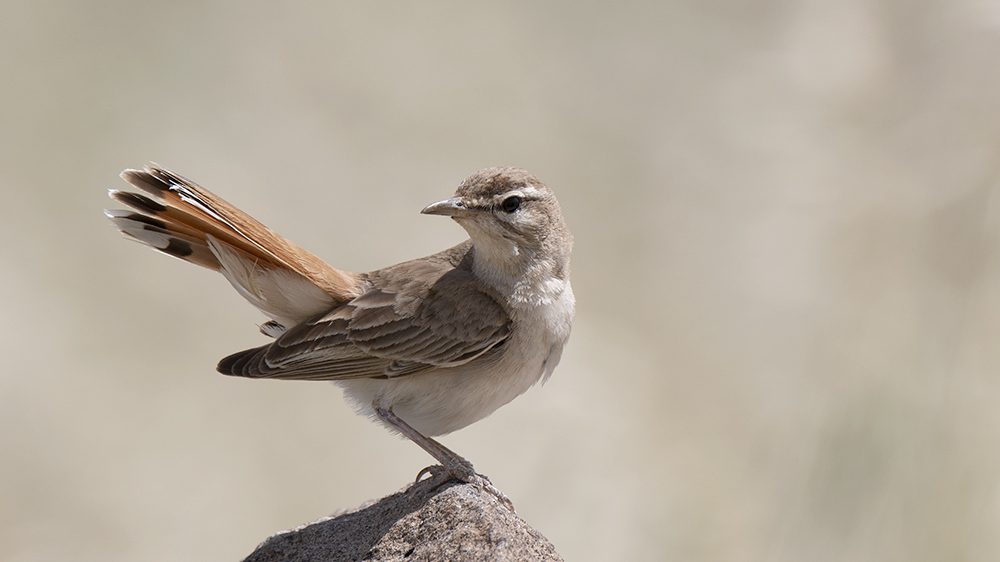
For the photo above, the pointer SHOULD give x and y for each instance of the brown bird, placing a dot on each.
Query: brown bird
(426, 346)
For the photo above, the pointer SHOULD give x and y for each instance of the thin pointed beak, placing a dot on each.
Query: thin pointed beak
(449, 207)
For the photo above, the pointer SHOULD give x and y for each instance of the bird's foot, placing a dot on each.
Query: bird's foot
(462, 472)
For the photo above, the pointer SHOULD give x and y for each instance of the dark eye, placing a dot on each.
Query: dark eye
(511, 204)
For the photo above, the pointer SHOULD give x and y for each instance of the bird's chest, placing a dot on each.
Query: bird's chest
(542, 309)
(542, 327)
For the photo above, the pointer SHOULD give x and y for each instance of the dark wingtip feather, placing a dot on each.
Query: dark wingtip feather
(227, 364)
(239, 364)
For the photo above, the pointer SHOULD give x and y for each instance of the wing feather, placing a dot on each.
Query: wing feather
(400, 326)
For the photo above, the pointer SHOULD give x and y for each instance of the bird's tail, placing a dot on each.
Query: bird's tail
(186, 221)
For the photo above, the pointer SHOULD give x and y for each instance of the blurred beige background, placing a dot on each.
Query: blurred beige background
(787, 220)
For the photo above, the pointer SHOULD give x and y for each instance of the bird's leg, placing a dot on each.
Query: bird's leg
(452, 465)
(456, 466)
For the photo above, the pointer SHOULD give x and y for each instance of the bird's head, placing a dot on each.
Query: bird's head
(511, 217)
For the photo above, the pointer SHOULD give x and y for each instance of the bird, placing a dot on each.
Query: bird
(427, 346)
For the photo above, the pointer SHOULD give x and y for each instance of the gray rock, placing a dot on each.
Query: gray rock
(455, 522)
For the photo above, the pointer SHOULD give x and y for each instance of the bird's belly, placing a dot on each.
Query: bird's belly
(448, 399)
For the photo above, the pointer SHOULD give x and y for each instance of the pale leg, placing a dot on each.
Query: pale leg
(452, 465)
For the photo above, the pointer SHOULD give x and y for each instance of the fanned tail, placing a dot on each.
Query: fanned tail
(184, 220)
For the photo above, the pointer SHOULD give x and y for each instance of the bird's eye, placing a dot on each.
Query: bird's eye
(511, 204)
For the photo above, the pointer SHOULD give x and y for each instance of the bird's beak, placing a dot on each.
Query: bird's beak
(454, 207)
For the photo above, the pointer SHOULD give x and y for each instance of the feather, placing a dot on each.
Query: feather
(182, 219)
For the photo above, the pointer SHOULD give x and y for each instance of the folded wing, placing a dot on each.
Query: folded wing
(393, 329)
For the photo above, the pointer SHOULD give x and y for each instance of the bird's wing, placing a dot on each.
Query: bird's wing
(398, 327)
(182, 219)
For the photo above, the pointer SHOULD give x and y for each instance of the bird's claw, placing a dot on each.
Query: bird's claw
(462, 473)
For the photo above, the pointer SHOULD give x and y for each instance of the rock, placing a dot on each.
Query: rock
(454, 522)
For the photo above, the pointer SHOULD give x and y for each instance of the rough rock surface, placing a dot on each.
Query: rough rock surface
(455, 522)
